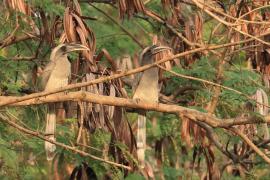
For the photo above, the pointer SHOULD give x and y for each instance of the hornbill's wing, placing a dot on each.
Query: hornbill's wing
(46, 75)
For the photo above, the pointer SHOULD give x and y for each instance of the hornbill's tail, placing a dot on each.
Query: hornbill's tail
(50, 131)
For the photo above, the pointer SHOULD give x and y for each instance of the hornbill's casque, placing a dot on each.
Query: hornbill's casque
(56, 75)
(147, 90)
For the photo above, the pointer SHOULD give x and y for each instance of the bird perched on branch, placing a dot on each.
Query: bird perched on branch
(146, 89)
(56, 75)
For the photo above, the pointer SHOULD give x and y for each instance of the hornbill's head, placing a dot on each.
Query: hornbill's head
(150, 51)
(64, 49)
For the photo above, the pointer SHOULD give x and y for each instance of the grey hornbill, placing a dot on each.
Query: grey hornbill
(146, 89)
(56, 75)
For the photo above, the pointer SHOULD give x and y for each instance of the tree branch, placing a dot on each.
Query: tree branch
(192, 114)
(115, 76)
(251, 144)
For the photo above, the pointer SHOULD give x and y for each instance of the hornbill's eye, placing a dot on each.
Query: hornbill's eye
(63, 49)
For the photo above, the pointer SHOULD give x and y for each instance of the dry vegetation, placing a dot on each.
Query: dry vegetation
(212, 118)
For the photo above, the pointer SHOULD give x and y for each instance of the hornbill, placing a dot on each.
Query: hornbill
(146, 89)
(56, 75)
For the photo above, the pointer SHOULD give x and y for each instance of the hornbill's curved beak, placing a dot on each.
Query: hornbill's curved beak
(156, 49)
(75, 47)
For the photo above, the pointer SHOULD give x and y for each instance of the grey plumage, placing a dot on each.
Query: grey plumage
(146, 90)
(56, 75)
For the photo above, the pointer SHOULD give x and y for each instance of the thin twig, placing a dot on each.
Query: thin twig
(251, 144)
(81, 122)
(256, 9)
(120, 25)
(37, 134)
(89, 147)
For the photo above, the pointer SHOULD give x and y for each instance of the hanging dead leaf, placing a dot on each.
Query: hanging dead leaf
(23, 7)
(77, 31)
(111, 108)
(77, 7)
(110, 60)
(130, 7)
(67, 25)
(83, 41)
(185, 133)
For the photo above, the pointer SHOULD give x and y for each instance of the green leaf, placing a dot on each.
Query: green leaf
(172, 173)
(134, 176)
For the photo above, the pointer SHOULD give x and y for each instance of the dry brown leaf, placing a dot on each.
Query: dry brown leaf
(77, 31)
(96, 106)
(185, 133)
(136, 61)
(149, 170)
(90, 77)
(67, 26)
(198, 27)
(111, 108)
(110, 60)
(101, 112)
(63, 38)
(21, 6)
(130, 7)
(81, 24)
(87, 54)
(77, 7)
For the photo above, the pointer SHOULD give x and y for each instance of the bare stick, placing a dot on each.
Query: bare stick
(251, 144)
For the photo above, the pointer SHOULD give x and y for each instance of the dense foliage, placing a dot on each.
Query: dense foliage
(177, 146)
